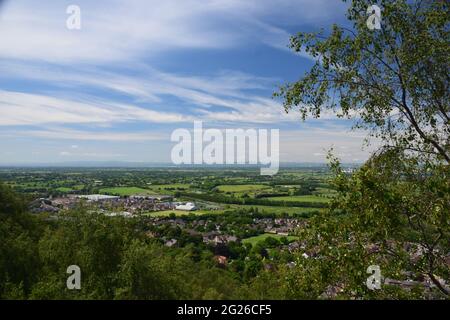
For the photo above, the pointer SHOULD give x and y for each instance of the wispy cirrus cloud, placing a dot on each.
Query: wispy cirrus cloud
(111, 30)
(138, 68)
(225, 96)
(36, 45)
(89, 135)
(116, 30)
(19, 108)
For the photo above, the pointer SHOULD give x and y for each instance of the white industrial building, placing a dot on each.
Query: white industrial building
(189, 206)
(98, 197)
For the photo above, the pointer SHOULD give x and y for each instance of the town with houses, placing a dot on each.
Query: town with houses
(129, 205)
(212, 231)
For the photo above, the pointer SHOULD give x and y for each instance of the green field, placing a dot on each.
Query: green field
(279, 210)
(254, 240)
(180, 213)
(70, 189)
(168, 187)
(64, 189)
(325, 191)
(126, 191)
(300, 199)
(150, 190)
(242, 187)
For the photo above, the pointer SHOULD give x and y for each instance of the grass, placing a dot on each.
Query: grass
(70, 189)
(279, 210)
(169, 187)
(242, 187)
(64, 189)
(300, 199)
(126, 191)
(254, 240)
(179, 213)
(267, 209)
(325, 191)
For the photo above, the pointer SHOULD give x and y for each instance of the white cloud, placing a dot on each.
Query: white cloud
(233, 92)
(313, 143)
(36, 45)
(116, 30)
(88, 135)
(130, 36)
(19, 108)
(110, 30)
(85, 155)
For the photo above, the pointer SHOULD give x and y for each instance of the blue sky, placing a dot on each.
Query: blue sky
(136, 70)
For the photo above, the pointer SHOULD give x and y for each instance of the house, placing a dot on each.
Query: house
(270, 230)
(189, 206)
(291, 264)
(43, 205)
(209, 236)
(151, 234)
(171, 242)
(216, 238)
(125, 214)
(223, 239)
(332, 291)
(221, 260)
(164, 198)
(293, 246)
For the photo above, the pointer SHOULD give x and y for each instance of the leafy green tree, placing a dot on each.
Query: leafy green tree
(91, 241)
(19, 261)
(393, 81)
(394, 211)
(142, 276)
(267, 285)
(382, 215)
